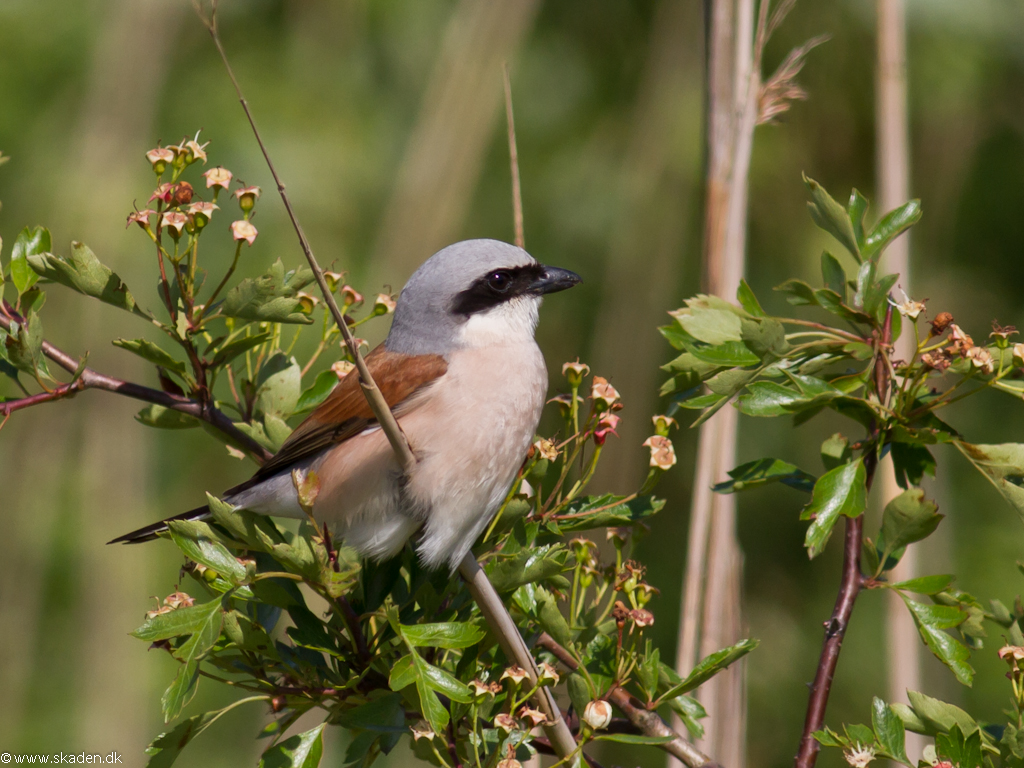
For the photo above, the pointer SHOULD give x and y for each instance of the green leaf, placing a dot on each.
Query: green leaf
(835, 451)
(764, 471)
(906, 519)
(84, 273)
(382, 714)
(910, 463)
(579, 692)
(636, 739)
(29, 242)
(856, 208)
(800, 293)
(891, 226)
(1003, 465)
(766, 398)
(278, 386)
(700, 402)
(23, 345)
(926, 585)
(165, 418)
(690, 712)
(199, 543)
(528, 566)
(176, 623)
(834, 275)
(442, 682)
(876, 298)
(832, 217)
(318, 392)
(166, 747)
(551, 618)
(930, 621)
(710, 666)
(269, 298)
(730, 354)
(938, 716)
(403, 673)
(888, 729)
(303, 750)
(745, 296)
(233, 349)
(183, 688)
(840, 491)
(607, 510)
(962, 751)
(449, 634)
(911, 721)
(834, 303)
(764, 337)
(712, 326)
(147, 350)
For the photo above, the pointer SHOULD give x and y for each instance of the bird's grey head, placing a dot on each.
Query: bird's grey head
(472, 293)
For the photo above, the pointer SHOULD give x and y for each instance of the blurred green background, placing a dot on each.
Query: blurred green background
(384, 118)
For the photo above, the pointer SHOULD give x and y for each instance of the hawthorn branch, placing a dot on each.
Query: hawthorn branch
(92, 379)
(646, 721)
(852, 579)
(479, 586)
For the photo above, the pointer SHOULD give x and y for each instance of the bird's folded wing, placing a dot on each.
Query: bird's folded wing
(345, 413)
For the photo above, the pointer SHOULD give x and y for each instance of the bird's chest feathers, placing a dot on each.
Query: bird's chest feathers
(483, 414)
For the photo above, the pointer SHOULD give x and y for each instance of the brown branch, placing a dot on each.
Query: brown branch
(513, 155)
(91, 379)
(644, 720)
(852, 580)
(7, 407)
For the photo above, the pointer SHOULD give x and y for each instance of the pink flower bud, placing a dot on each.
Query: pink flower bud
(575, 372)
(604, 395)
(195, 151)
(140, 217)
(343, 368)
(606, 426)
(422, 730)
(218, 177)
(243, 230)
(505, 722)
(663, 424)
(163, 192)
(201, 213)
(383, 304)
(597, 714)
(350, 297)
(159, 158)
(663, 454)
(174, 221)
(247, 197)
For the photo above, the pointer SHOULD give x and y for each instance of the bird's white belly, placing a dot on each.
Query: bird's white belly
(470, 439)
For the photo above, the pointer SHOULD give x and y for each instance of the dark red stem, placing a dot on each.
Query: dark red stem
(90, 379)
(852, 580)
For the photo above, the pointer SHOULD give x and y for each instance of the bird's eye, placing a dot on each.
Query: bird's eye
(499, 281)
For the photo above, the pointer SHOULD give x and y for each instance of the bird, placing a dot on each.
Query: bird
(463, 374)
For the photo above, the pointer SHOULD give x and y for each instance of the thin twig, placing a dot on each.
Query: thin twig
(646, 721)
(515, 649)
(849, 587)
(91, 379)
(513, 154)
(374, 397)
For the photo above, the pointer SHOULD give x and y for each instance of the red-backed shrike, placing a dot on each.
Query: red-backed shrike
(466, 380)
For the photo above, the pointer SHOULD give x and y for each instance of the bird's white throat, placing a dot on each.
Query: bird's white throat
(511, 322)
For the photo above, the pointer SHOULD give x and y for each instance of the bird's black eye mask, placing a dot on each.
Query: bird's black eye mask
(499, 286)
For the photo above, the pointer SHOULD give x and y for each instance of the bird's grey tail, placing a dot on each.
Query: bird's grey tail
(150, 531)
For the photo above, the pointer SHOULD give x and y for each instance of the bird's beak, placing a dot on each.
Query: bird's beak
(555, 279)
